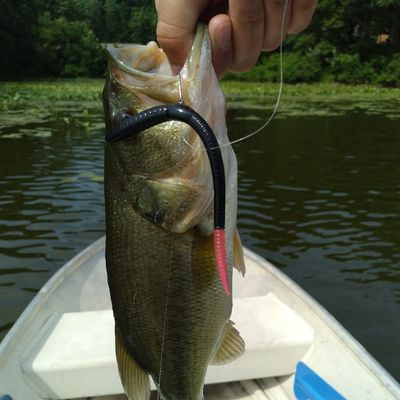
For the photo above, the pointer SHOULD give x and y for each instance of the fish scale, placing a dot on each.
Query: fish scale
(168, 302)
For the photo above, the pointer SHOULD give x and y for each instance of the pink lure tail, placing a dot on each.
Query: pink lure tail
(220, 256)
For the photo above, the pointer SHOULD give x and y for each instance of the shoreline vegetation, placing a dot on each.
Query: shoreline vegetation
(86, 89)
(38, 98)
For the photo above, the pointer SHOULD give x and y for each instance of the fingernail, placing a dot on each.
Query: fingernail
(223, 36)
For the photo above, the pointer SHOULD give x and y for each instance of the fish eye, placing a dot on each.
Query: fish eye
(121, 116)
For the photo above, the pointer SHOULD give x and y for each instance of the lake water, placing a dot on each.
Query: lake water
(319, 196)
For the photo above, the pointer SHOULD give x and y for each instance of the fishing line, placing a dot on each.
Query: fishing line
(278, 100)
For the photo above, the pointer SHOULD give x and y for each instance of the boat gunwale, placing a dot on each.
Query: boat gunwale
(29, 313)
(361, 353)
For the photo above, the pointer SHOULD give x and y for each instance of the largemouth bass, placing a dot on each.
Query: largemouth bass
(171, 311)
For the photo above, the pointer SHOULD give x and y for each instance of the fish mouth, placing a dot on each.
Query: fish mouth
(141, 66)
(141, 61)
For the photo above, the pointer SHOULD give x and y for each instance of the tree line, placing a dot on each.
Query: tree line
(351, 41)
(62, 38)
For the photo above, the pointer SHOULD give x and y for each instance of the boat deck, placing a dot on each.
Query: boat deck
(80, 289)
(259, 389)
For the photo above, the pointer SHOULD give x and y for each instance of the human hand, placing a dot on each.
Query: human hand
(239, 29)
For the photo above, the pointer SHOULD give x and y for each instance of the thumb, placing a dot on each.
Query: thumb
(177, 20)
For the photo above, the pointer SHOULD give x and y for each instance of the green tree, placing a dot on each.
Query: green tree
(142, 24)
(49, 6)
(68, 48)
(18, 32)
(75, 10)
(97, 19)
(61, 37)
(112, 20)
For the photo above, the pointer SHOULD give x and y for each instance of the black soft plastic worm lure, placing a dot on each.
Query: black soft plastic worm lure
(133, 124)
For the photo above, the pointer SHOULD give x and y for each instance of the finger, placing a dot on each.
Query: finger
(176, 26)
(276, 11)
(247, 18)
(302, 12)
(221, 43)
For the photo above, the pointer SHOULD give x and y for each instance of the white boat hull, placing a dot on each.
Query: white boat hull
(62, 345)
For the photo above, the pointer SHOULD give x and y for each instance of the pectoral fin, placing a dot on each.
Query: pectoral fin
(238, 256)
(135, 381)
(232, 346)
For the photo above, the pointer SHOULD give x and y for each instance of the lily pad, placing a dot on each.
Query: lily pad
(16, 135)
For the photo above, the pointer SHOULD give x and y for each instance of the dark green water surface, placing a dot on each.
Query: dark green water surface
(319, 196)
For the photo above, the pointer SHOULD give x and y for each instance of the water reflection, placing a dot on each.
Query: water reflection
(318, 196)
